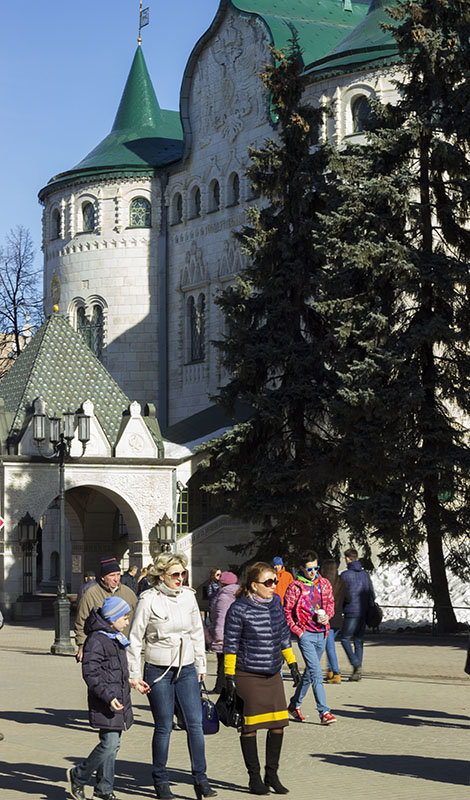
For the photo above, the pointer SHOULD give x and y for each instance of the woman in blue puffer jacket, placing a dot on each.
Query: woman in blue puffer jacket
(256, 638)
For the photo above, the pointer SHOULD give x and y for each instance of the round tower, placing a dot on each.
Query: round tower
(102, 235)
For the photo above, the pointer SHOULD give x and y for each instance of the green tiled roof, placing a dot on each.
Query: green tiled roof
(320, 24)
(367, 42)
(58, 366)
(143, 135)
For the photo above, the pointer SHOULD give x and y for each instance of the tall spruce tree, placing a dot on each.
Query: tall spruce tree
(275, 470)
(398, 245)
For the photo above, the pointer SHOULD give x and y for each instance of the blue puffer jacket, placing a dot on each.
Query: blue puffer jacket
(106, 674)
(257, 633)
(358, 582)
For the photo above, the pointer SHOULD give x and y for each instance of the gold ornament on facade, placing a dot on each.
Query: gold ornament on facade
(55, 292)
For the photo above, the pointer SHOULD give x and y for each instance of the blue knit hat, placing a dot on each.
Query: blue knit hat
(277, 560)
(113, 608)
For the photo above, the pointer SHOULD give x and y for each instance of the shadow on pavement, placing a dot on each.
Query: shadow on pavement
(414, 717)
(133, 777)
(66, 718)
(442, 770)
(39, 780)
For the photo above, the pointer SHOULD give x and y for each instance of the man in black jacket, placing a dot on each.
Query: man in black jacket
(129, 578)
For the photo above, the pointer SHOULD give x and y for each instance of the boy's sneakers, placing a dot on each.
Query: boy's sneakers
(296, 713)
(76, 789)
(327, 718)
(104, 795)
(356, 675)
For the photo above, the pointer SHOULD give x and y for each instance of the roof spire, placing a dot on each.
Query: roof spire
(144, 20)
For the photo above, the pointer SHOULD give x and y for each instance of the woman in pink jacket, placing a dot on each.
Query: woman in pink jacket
(308, 605)
(223, 601)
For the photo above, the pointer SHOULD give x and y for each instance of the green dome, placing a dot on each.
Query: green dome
(143, 135)
(367, 42)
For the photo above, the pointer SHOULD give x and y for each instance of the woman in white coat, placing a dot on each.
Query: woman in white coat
(168, 622)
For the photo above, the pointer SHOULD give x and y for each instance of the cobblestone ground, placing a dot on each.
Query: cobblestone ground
(402, 732)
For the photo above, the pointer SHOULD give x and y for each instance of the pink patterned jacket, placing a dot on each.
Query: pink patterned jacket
(296, 594)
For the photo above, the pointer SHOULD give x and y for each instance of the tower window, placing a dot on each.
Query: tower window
(196, 325)
(92, 330)
(234, 189)
(88, 217)
(177, 215)
(196, 202)
(56, 225)
(360, 112)
(140, 213)
(214, 196)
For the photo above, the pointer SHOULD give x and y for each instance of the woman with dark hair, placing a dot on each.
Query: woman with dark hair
(329, 570)
(308, 605)
(256, 637)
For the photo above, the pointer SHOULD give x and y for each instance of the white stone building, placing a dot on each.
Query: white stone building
(138, 239)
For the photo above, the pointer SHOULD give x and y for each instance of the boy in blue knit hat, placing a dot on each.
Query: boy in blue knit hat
(105, 672)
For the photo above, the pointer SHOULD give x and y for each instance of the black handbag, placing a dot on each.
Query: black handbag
(374, 614)
(210, 717)
(230, 712)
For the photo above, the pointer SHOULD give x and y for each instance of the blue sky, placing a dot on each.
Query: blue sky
(63, 66)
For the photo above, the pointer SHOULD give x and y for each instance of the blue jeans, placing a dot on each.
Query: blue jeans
(353, 629)
(312, 647)
(162, 703)
(331, 657)
(101, 760)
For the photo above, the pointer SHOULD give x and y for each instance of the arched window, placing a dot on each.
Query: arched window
(88, 217)
(214, 196)
(92, 330)
(56, 224)
(195, 202)
(177, 215)
(196, 324)
(234, 189)
(97, 331)
(360, 112)
(140, 213)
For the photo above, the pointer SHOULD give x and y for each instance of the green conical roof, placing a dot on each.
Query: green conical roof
(367, 42)
(143, 135)
(58, 366)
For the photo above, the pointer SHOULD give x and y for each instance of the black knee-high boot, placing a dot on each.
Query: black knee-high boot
(250, 756)
(273, 752)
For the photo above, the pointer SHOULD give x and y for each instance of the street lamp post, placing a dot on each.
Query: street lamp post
(61, 440)
(165, 533)
(27, 528)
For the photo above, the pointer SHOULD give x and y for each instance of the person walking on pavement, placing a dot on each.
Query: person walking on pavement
(256, 637)
(355, 612)
(168, 622)
(108, 585)
(224, 599)
(89, 580)
(104, 668)
(329, 570)
(308, 606)
(284, 578)
(129, 578)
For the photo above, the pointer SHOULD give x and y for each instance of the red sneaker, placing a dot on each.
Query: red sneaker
(296, 714)
(327, 718)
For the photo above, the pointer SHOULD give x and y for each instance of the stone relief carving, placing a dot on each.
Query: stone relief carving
(194, 272)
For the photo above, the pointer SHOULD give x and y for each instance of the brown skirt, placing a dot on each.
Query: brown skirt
(264, 701)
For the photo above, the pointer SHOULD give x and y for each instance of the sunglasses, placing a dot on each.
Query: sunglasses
(312, 569)
(176, 574)
(270, 582)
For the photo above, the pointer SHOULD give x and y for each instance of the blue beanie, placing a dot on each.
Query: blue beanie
(113, 608)
(278, 560)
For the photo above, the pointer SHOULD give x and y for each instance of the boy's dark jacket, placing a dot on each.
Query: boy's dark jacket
(106, 674)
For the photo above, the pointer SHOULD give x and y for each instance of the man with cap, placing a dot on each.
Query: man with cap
(108, 585)
(284, 578)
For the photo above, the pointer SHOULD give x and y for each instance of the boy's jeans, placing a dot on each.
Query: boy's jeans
(312, 647)
(331, 657)
(162, 704)
(101, 760)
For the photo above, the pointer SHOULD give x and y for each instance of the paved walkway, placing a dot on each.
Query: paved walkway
(402, 732)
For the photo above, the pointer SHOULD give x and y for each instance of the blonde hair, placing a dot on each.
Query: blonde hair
(162, 563)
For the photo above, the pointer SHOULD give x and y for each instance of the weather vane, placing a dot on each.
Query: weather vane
(144, 19)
